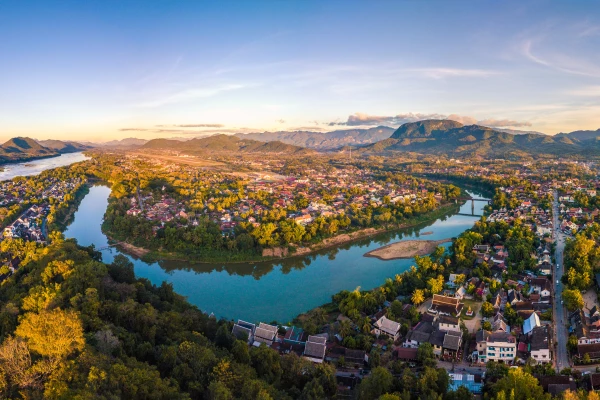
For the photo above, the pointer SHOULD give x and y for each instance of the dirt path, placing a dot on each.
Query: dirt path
(406, 249)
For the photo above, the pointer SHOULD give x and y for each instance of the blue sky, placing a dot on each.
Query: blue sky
(105, 70)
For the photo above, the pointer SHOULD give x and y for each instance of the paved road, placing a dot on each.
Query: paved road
(560, 314)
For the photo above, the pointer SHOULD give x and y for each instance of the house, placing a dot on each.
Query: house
(353, 356)
(244, 331)
(542, 286)
(388, 327)
(539, 345)
(419, 334)
(595, 381)
(531, 323)
(496, 346)
(265, 333)
(437, 342)
(460, 293)
(315, 347)
(514, 297)
(592, 349)
(473, 383)
(447, 323)
(445, 305)
(452, 342)
(499, 324)
(405, 353)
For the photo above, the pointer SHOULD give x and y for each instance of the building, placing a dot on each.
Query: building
(531, 323)
(539, 345)
(315, 347)
(473, 383)
(444, 305)
(496, 346)
(265, 333)
(387, 327)
(244, 331)
(447, 323)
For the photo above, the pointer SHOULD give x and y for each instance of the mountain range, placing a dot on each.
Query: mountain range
(223, 143)
(323, 140)
(455, 139)
(24, 149)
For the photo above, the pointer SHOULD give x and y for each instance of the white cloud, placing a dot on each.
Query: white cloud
(362, 119)
(191, 94)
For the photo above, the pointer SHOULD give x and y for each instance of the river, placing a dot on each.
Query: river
(269, 291)
(36, 167)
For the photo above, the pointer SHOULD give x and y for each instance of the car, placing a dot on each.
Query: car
(557, 282)
(561, 302)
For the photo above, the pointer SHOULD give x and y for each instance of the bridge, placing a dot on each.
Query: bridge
(106, 247)
(473, 200)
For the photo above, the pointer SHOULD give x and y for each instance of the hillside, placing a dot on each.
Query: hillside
(127, 142)
(323, 140)
(23, 149)
(581, 135)
(455, 139)
(64, 146)
(223, 143)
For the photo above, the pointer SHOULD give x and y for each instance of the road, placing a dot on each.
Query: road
(560, 315)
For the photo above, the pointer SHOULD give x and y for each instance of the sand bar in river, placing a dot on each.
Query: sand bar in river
(406, 249)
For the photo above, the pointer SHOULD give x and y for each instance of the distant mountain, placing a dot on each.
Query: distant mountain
(127, 142)
(581, 135)
(323, 140)
(64, 146)
(223, 143)
(518, 132)
(24, 149)
(453, 138)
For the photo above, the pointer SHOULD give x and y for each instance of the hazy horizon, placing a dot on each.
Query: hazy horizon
(106, 71)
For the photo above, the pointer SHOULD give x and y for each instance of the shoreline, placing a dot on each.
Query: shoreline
(327, 243)
(405, 249)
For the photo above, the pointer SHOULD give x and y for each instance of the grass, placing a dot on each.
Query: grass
(475, 306)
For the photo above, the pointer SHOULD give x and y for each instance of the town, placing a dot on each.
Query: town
(508, 292)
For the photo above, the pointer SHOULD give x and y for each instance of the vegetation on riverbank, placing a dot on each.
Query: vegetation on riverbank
(74, 327)
(339, 240)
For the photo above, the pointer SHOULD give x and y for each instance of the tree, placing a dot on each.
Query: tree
(376, 384)
(573, 299)
(487, 309)
(418, 297)
(425, 355)
(518, 385)
(54, 334)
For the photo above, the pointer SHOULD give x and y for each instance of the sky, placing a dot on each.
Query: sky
(96, 71)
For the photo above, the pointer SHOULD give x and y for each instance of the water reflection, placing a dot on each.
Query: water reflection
(274, 290)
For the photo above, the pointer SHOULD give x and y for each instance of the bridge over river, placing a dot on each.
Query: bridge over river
(472, 200)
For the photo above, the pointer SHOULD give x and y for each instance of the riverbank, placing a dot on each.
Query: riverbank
(129, 248)
(338, 240)
(406, 249)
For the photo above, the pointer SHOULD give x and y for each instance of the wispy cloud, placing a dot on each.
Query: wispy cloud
(441, 73)
(194, 126)
(560, 62)
(589, 91)
(192, 94)
(502, 123)
(362, 119)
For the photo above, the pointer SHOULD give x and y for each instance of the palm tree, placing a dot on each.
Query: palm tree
(366, 325)
(345, 328)
(398, 279)
(319, 315)
(418, 297)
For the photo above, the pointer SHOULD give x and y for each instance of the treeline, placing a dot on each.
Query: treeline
(74, 327)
